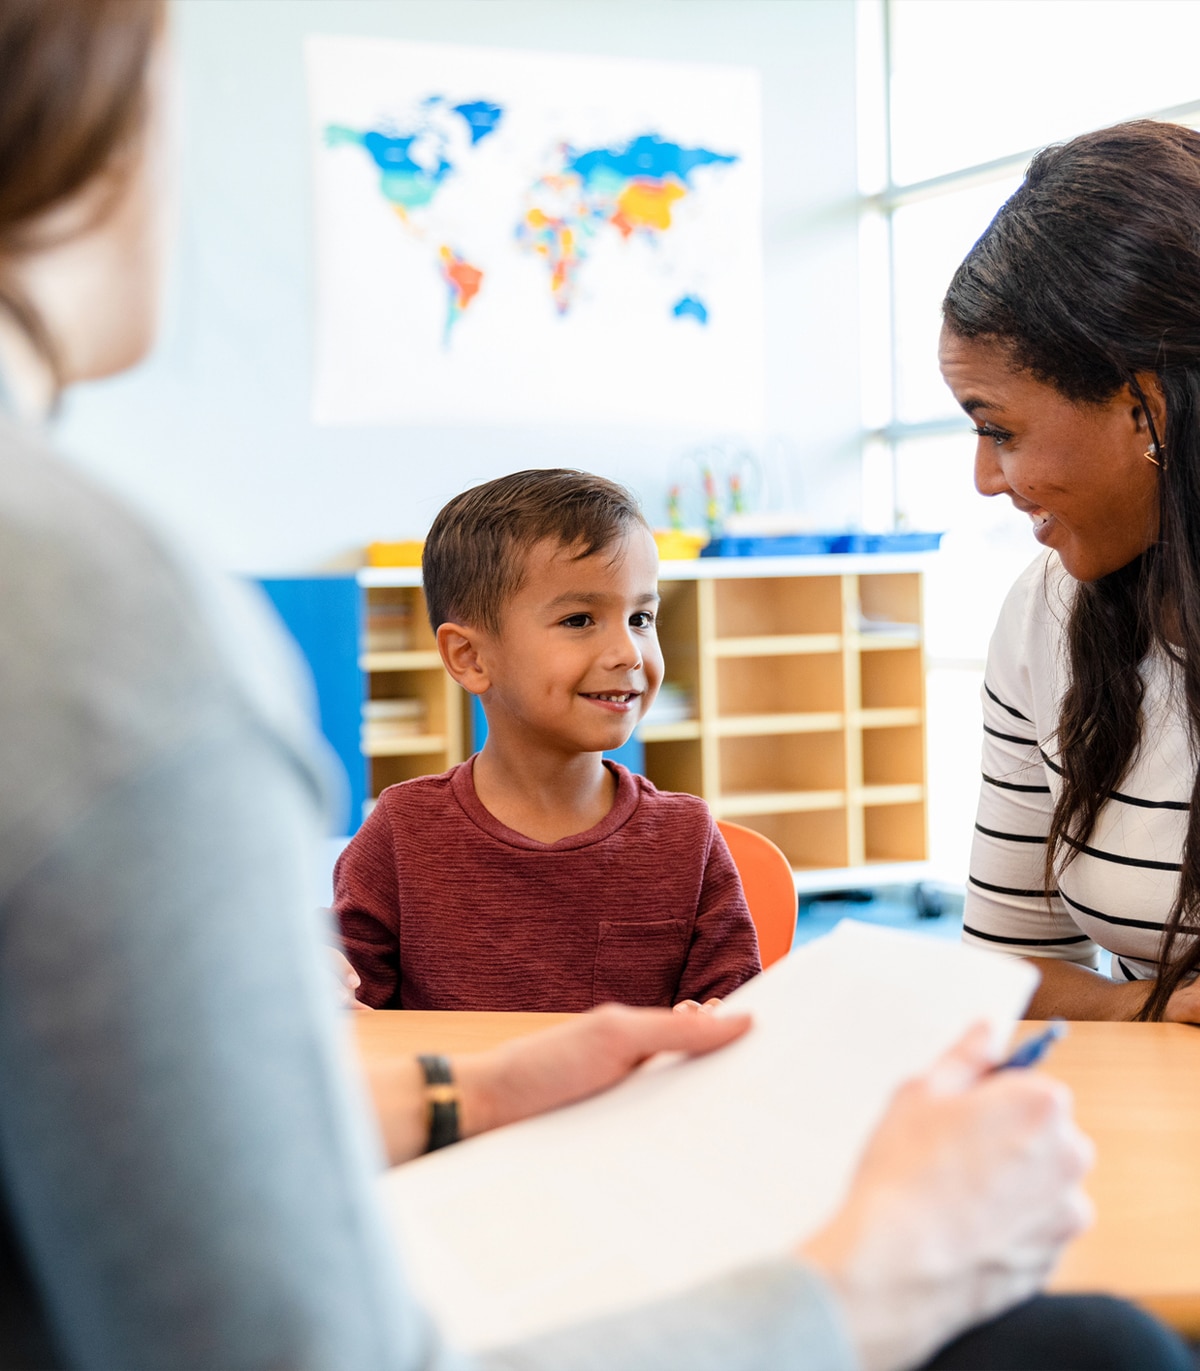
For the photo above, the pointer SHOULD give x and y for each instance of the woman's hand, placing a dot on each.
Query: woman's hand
(574, 1060)
(1184, 1004)
(962, 1204)
(540, 1072)
(1067, 991)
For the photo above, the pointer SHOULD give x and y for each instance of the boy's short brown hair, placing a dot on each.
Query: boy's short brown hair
(473, 562)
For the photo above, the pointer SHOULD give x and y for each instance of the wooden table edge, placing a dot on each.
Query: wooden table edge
(1181, 1312)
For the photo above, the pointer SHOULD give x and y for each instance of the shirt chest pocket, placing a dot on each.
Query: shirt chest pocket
(639, 963)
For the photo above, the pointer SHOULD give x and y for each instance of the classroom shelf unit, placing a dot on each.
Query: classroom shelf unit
(425, 729)
(796, 699)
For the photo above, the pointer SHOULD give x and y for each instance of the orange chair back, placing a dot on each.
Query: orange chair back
(770, 888)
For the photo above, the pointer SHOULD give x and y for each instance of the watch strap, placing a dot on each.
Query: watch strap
(441, 1099)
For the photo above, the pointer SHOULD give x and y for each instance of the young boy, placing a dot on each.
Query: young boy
(536, 875)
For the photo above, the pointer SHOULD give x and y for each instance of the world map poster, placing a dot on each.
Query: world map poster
(529, 238)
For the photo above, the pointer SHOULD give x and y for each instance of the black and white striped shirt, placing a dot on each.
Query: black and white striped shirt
(1119, 889)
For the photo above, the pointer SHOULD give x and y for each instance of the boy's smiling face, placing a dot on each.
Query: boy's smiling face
(577, 662)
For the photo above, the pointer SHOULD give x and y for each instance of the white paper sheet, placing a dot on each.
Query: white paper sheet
(692, 1168)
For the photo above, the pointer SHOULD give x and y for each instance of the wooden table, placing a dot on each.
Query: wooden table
(1137, 1094)
(384, 1031)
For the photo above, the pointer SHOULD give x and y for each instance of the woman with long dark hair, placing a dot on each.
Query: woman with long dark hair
(1071, 337)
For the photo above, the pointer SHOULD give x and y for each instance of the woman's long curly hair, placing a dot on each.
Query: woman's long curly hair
(1089, 279)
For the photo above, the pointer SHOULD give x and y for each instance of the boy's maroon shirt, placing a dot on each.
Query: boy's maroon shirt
(442, 907)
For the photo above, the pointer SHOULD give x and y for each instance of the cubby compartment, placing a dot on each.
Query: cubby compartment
(754, 607)
(421, 698)
(814, 839)
(413, 714)
(678, 631)
(789, 685)
(386, 771)
(679, 637)
(890, 602)
(895, 833)
(675, 765)
(787, 764)
(892, 679)
(893, 756)
(396, 621)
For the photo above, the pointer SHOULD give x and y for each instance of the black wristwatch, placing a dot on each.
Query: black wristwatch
(441, 1095)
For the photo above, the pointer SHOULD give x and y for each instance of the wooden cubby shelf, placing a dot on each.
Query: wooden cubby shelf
(400, 661)
(783, 645)
(757, 725)
(686, 730)
(734, 805)
(424, 745)
(804, 679)
(414, 720)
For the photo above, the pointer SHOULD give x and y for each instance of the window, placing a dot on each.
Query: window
(954, 97)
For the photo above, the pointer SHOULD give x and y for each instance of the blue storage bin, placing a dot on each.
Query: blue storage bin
(787, 545)
(887, 542)
(820, 544)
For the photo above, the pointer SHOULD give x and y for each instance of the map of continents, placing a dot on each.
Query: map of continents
(632, 189)
(413, 165)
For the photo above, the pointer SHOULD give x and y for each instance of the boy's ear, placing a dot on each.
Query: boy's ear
(459, 647)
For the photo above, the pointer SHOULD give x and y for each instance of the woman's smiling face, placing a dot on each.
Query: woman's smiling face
(1077, 469)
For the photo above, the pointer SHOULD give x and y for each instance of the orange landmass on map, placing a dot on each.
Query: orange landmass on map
(465, 278)
(646, 204)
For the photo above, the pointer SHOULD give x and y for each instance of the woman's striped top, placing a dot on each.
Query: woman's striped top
(1120, 887)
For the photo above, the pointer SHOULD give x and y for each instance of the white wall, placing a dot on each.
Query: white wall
(213, 434)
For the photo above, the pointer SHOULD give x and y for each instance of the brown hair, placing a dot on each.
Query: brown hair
(72, 101)
(473, 562)
(1089, 276)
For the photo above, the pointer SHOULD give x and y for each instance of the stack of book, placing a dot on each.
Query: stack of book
(383, 721)
(390, 627)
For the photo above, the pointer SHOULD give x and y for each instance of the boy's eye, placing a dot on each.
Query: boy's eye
(998, 435)
(577, 621)
(642, 619)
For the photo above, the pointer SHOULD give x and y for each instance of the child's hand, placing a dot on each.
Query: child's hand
(695, 1007)
(347, 979)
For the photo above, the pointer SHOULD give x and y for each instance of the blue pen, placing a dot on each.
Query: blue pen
(1034, 1049)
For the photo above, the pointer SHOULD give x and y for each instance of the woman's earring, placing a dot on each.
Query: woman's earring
(1153, 453)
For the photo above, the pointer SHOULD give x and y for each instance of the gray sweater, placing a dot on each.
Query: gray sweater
(186, 1158)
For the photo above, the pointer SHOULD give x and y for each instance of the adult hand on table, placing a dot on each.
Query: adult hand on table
(544, 1071)
(574, 1060)
(962, 1203)
(1184, 1005)
(1076, 992)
